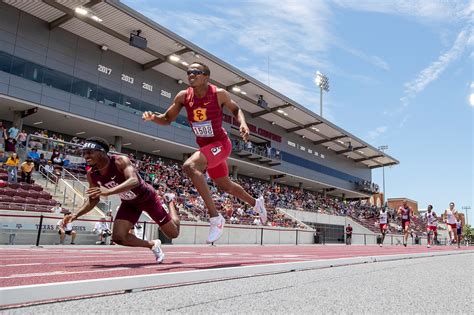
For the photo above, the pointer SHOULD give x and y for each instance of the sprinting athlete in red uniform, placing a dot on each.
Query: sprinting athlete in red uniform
(450, 219)
(204, 103)
(116, 175)
(383, 223)
(432, 225)
(405, 212)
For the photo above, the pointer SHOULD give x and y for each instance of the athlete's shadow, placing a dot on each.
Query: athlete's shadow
(131, 266)
(171, 268)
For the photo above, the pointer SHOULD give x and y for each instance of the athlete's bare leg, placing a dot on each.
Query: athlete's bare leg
(405, 235)
(121, 236)
(194, 168)
(227, 185)
(450, 233)
(171, 228)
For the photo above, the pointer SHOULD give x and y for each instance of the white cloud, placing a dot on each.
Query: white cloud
(377, 132)
(436, 68)
(471, 99)
(427, 10)
(374, 60)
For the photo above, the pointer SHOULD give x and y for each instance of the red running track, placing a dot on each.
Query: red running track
(27, 266)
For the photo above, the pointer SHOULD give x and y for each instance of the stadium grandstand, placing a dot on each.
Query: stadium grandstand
(71, 72)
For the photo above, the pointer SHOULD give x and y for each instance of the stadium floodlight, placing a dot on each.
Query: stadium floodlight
(383, 148)
(323, 83)
(81, 11)
(174, 58)
(466, 209)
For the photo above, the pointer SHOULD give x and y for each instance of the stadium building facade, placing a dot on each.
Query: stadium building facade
(85, 78)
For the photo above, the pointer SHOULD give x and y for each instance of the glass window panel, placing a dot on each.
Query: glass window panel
(57, 80)
(5, 62)
(27, 70)
(108, 97)
(84, 89)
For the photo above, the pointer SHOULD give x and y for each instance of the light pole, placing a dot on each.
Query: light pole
(322, 81)
(466, 209)
(383, 148)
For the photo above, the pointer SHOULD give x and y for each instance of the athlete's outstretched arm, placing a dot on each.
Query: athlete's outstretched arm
(89, 203)
(131, 180)
(171, 113)
(225, 100)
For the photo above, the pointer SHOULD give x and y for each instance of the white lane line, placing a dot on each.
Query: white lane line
(61, 273)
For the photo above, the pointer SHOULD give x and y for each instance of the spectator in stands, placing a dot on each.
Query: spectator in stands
(33, 154)
(234, 219)
(348, 234)
(42, 160)
(49, 169)
(256, 221)
(55, 154)
(10, 144)
(57, 209)
(35, 142)
(13, 132)
(64, 227)
(27, 168)
(22, 137)
(103, 230)
(12, 167)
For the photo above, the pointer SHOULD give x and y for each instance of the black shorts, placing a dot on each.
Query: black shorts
(65, 232)
(459, 231)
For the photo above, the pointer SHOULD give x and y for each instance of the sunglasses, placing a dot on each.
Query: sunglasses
(196, 72)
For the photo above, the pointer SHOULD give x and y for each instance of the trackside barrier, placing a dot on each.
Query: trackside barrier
(40, 229)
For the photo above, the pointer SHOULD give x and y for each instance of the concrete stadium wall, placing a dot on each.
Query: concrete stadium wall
(21, 228)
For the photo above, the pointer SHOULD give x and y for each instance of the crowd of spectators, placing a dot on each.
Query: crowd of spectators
(167, 176)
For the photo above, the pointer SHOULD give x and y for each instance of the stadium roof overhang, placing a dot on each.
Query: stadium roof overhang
(118, 21)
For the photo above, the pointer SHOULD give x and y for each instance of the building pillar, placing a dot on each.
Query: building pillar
(300, 186)
(235, 171)
(272, 180)
(17, 120)
(343, 196)
(118, 143)
(324, 192)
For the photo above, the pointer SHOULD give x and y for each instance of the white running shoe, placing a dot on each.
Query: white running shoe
(428, 246)
(215, 229)
(260, 209)
(156, 249)
(380, 244)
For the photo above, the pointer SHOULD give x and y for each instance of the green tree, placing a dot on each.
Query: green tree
(468, 233)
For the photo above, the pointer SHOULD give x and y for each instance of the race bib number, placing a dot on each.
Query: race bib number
(203, 129)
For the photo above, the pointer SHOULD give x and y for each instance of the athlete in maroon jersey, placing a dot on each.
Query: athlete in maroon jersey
(116, 175)
(204, 103)
(405, 212)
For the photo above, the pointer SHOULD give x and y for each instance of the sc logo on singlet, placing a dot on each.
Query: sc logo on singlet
(200, 114)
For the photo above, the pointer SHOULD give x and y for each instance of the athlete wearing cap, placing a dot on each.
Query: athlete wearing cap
(116, 175)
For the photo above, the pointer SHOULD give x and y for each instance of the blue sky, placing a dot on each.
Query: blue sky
(400, 73)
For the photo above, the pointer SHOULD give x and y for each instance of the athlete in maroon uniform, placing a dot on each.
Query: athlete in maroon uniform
(116, 175)
(405, 213)
(204, 103)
